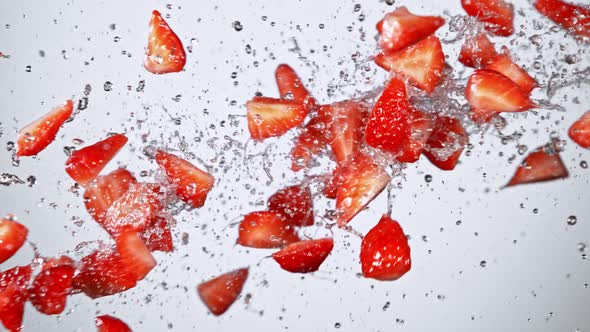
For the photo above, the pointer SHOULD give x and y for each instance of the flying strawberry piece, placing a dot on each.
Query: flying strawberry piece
(165, 53)
(265, 229)
(304, 256)
(422, 63)
(573, 18)
(14, 285)
(134, 254)
(221, 292)
(401, 28)
(50, 289)
(346, 130)
(313, 138)
(158, 237)
(192, 184)
(36, 136)
(504, 65)
(477, 52)
(498, 15)
(294, 204)
(12, 236)
(108, 323)
(137, 209)
(269, 117)
(333, 181)
(85, 164)
(385, 253)
(291, 87)
(52, 262)
(543, 164)
(446, 143)
(579, 132)
(421, 125)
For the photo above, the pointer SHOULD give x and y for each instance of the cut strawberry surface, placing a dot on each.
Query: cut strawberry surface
(265, 229)
(221, 292)
(504, 65)
(294, 204)
(165, 53)
(579, 132)
(385, 253)
(477, 52)
(137, 209)
(269, 117)
(135, 255)
(304, 256)
(333, 181)
(573, 18)
(401, 28)
(291, 87)
(421, 125)
(14, 285)
(49, 263)
(446, 143)
(159, 236)
(498, 15)
(543, 164)
(346, 131)
(50, 289)
(36, 136)
(106, 323)
(12, 237)
(314, 136)
(85, 164)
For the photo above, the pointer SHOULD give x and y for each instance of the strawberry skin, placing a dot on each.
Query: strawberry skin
(504, 65)
(346, 130)
(291, 87)
(445, 145)
(221, 292)
(265, 229)
(497, 15)
(106, 323)
(134, 254)
(270, 117)
(313, 138)
(13, 296)
(421, 125)
(385, 253)
(50, 289)
(36, 136)
(401, 28)
(571, 17)
(543, 164)
(294, 204)
(12, 237)
(579, 132)
(477, 52)
(137, 209)
(304, 256)
(165, 53)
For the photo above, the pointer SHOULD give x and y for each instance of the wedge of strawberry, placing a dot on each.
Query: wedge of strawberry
(106, 323)
(135, 255)
(304, 256)
(446, 143)
(497, 15)
(477, 52)
(14, 285)
(50, 289)
(422, 63)
(165, 53)
(333, 181)
(543, 164)
(579, 132)
(505, 66)
(51, 262)
(265, 229)
(159, 236)
(12, 237)
(137, 209)
(346, 131)
(221, 292)
(313, 138)
(84, 165)
(291, 87)
(269, 117)
(294, 204)
(401, 28)
(385, 253)
(573, 18)
(421, 126)
(36, 136)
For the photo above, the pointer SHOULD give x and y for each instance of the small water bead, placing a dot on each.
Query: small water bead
(83, 103)
(321, 26)
(483, 263)
(337, 325)
(108, 86)
(116, 39)
(31, 180)
(237, 26)
(535, 210)
(357, 7)
(583, 164)
(386, 305)
(140, 86)
(390, 2)
(28, 69)
(572, 220)
(428, 178)
(9, 146)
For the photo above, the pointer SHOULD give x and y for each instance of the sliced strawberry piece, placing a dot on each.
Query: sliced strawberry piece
(314, 136)
(304, 256)
(165, 53)
(265, 229)
(137, 209)
(36, 136)
(385, 253)
(12, 236)
(421, 125)
(580, 131)
(498, 15)
(504, 65)
(52, 262)
(135, 255)
(543, 164)
(571, 17)
(269, 117)
(50, 289)
(347, 128)
(158, 237)
(421, 63)
(334, 180)
(221, 292)
(108, 323)
(13, 296)
(294, 204)
(477, 52)
(446, 143)
(192, 183)
(85, 164)
(291, 87)
(401, 28)
(363, 180)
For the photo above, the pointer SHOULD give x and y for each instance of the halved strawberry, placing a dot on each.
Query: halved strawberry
(291, 87)
(36, 136)
(504, 65)
(50, 289)
(137, 209)
(265, 229)
(543, 164)
(304, 256)
(12, 236)
(385, 253)
(401, 28)
(294, 204)
(498, 15)
(135, 255)
(363, 180)
(346, 131)
(446, 143)
(192, 184)
(477, 52)
(14, 285)
(422, 63)
(106, 323)
(103, 273)
(165, 53)
(270, 117)
(314, 136)
(158, 237)
(571, 17)
(579, 132)
(85, 164)
(221, 292)
(420, 129)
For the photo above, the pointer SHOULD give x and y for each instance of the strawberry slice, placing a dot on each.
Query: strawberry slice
(489, 92)
(401, 28)
(543, 164)
(421, 125)
(158, 237)
(49, 263)
(165, 53)
(135, 255)
(294, 204)
(385, 253)
(573, 18)
(221, 292)
(36, 136)
(106, 323)
(304, 256)
(137, 209)
(579, 132)
(265, 229)
(291, 87)
(347, 128)
(477, 52)
(363, 180)
(422, 63)
(312, 139)
(12, 236)
(446, 143)
(192, 184)
(498, 15)
(50, 289)
(504, 65)
(270, 117)
(13, 296)
(85, 164)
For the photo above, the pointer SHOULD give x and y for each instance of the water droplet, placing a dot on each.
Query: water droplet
(321, 26)
(108, 86)
(7, 179)
(28, 69)
(357, 7)
(390, 2)
(237, 26)
(83, 103)
(428, 178)
(177, 98)
(441, 297)
(424, 238)
(9, 146)
(583, 164)
(337, 325)
(535, 210)
(31, 180)
(386, 305)
(483, 263)
(140, 86)
(572, 220)
(116, 39)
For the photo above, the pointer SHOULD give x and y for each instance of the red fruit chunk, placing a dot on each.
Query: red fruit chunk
(504, 65)
(446, 143)
(304, 256)
(580, 131)
(49, 263)
(12, 236)
(85, 164)
(269, 117)
(265, 229)
(401, 28)
(50, 289)
(543, 164)
(347, 128)
(108, 323)
(37, 135)
(571, 17)
(313, 138)
(158, 237)
(333, 181)
(291, 87)
(134, 254)
(477, 52)
(421, 127)
(294, 204)
(498, 15)
(385, 253)
(165, 53)
(14, 284)
(137, 209)
(220, 293)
